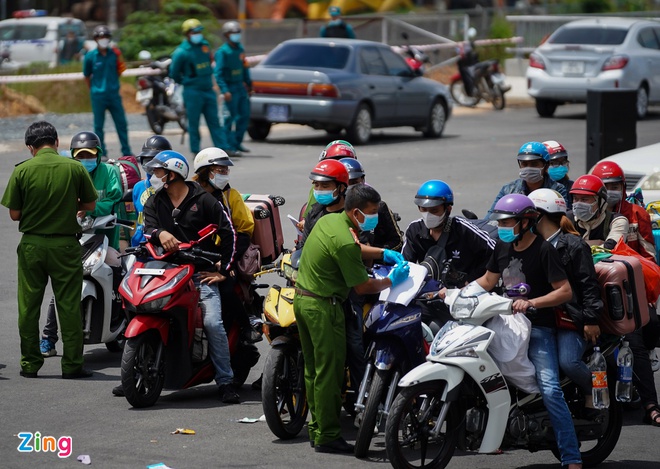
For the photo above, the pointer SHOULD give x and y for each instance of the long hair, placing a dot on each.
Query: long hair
(565, 223)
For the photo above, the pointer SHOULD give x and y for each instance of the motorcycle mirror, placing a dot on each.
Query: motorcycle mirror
(469, 214)
(204, 232)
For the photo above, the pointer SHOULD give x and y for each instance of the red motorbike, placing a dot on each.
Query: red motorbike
(165, 342)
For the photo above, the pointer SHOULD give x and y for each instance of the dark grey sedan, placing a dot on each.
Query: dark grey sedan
(335, 84)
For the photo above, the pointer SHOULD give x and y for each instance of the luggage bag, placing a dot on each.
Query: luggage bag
(622, 288)
(267, 224)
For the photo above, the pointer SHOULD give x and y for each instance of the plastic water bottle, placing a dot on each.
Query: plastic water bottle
(624, 364)
(599, 389)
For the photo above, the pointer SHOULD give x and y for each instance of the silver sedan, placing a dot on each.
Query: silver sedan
(336, 84)
(597, 54)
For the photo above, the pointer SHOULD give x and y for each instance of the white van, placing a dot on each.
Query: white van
(37, 39)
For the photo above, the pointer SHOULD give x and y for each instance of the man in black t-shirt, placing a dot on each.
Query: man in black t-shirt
(522, 257)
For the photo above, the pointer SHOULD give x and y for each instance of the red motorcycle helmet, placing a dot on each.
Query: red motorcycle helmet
(338, 149)
(330, 170)
(555, 149)
(609, 171)
(589, 185)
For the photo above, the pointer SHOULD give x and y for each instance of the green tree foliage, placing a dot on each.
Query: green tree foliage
(160, 33)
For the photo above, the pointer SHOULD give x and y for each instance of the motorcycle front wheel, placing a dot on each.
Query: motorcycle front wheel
(375, 399)
(283, 395)
(156, 122)
(411, 439)
(459, 95)
(141, 377)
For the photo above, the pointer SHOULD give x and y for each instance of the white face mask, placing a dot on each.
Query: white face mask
(104, 43)
(156, 182)
(433, 221)
(531, 175)
(219, 181)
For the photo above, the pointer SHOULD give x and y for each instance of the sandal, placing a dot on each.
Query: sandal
(649, 418)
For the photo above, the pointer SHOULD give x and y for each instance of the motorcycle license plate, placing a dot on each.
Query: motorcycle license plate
(142, 271)
(277, 112)
(144, 95)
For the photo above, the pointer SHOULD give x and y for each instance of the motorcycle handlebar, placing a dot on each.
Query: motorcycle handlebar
(214, 256)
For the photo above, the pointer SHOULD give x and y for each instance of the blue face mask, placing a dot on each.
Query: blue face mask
(507, 233)
(196, 38)
(325, 197)
(235, 37)
(557, 173)
(369, 223)
(89, 164)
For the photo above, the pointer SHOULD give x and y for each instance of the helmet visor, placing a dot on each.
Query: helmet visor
(501, 215)
(426, 202)
(221, 161)
(322, 177)
(155, 164)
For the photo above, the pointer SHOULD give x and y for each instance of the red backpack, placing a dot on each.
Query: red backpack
(129, 172)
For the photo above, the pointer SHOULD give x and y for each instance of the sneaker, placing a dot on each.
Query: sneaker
(241, 148)
(655, 360)
(234, 153)
(118, 391)
(228, 395)
(47, 348)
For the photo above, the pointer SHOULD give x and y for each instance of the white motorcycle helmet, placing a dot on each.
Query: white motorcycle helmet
(211, 156)
(548, 201)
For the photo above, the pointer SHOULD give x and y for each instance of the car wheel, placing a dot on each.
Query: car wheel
(642, 102)
(258, 130)
(359, 131)
(437, 121)
(545, 107)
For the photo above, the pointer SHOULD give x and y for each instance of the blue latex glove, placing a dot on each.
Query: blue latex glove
(399, 274)
(391, 257)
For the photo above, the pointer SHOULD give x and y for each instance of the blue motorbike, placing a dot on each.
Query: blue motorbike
(398, 342)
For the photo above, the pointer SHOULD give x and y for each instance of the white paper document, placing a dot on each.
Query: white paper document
(404, 292)
(295, 222)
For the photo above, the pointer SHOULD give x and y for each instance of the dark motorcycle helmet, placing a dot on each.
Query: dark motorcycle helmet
(87, 140)
(154, 145)
(102, 31)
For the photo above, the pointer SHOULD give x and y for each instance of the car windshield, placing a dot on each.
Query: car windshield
(309, 56)
(589, 35)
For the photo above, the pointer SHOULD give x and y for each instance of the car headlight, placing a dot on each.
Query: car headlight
(91, 260)
(652, 183)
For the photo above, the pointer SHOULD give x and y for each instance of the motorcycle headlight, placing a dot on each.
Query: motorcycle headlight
(169, 285)
(91, 260)
(464, 306)
(290, 273)
(466, 352)
(440, 342)
(124, 283)
(154, 306)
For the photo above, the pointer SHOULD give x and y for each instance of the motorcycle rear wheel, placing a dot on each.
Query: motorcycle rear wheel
(459, 95)
(156, 122)
(497, 97)
(283, 395)
(377, 392)
(606, 443)
(142, 378)
(408, 436)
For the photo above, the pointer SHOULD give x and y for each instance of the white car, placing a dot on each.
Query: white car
(596, 54)
(37, 39)
(641, 167)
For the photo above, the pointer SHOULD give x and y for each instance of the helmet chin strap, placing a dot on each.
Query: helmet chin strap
(523, 230)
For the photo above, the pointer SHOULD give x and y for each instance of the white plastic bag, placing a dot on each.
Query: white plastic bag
(509, 350)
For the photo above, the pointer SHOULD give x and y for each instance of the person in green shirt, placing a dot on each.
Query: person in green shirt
(86, 148)
(44, 195)
(330, 266)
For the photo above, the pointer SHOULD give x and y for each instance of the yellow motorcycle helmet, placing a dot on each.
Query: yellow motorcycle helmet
(191, 24)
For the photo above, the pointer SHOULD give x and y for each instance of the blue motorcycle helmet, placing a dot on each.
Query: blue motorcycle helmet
(433, 193)
(533, 151)
(171, 161)
(354, 168)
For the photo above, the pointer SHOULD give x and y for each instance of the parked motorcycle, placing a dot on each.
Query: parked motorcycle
(460, 398)
(165, 342)
(415, 58)
(103, 318)
(161, 96)
(485, 78)
(398, 342)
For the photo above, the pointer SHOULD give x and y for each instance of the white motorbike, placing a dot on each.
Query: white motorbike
(459, 397)
(103, 317)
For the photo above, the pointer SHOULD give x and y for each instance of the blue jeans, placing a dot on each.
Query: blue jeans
(571, 345)
(209, 298)
(543, 353)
